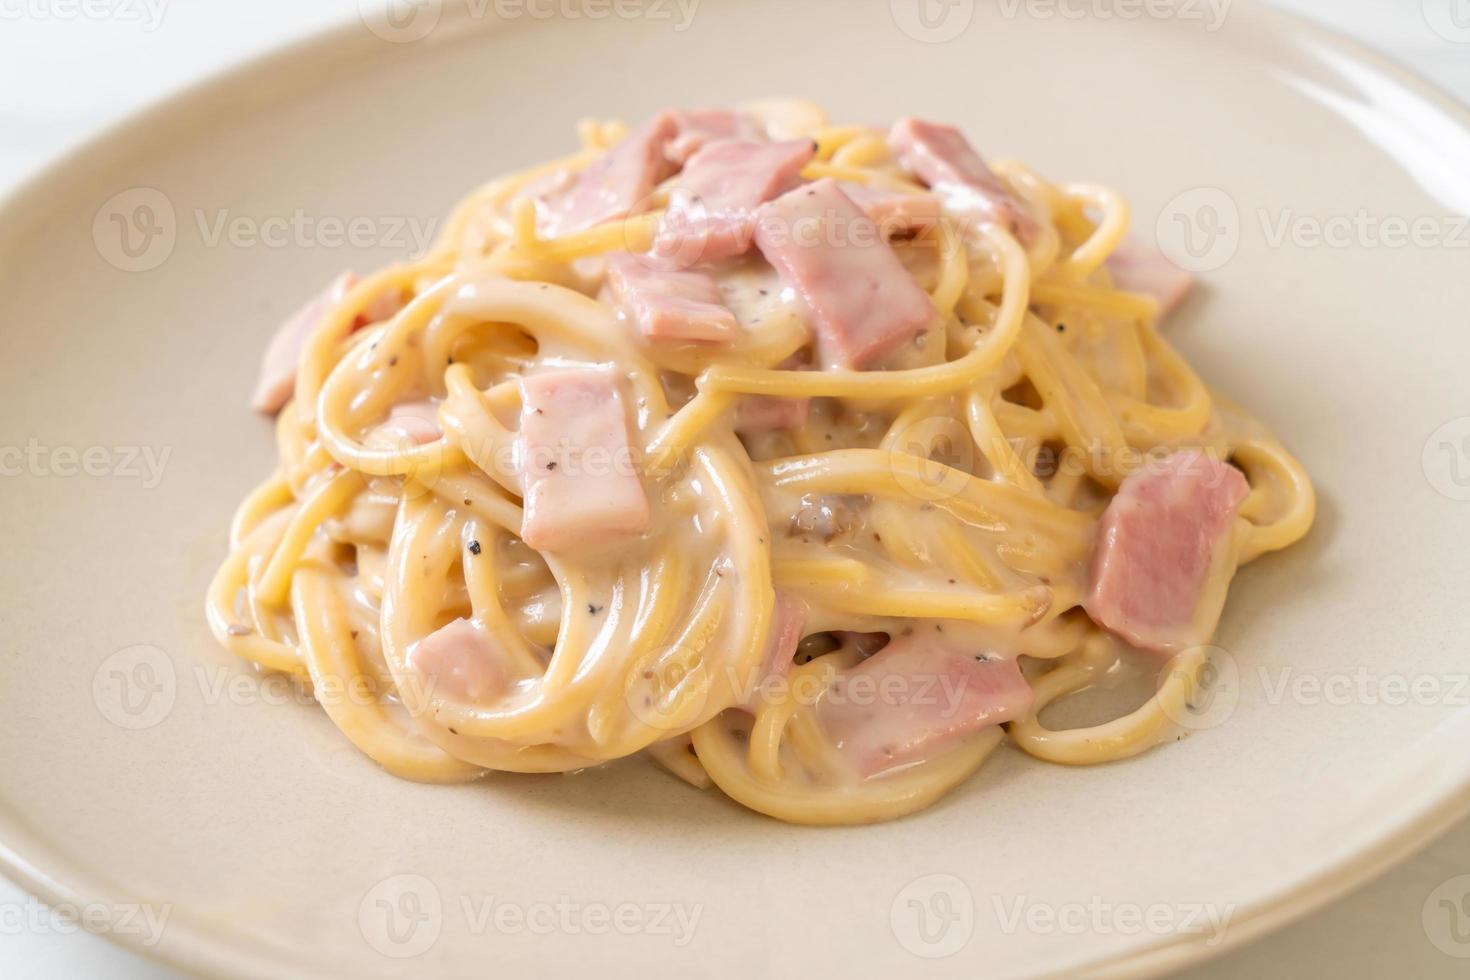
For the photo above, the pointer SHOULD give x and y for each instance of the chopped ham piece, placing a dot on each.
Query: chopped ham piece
(579, 483)
(460, 663)
(863, 302)
(615, 185)
(894, 212)
(277, 380)
(547, 185)
(669, 304)
(713, 204)
(917, 697)
(696, 127)
(1141, 268)
(770, 413)
(943, 159)
(414, 423)
(787, 622)
(1159, 566)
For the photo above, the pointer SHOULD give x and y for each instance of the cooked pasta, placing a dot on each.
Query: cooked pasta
(624, 465)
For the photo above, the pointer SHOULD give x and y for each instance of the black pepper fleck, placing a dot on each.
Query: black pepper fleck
(474, 547)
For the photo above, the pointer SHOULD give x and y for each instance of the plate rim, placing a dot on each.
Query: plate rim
(1439, 793)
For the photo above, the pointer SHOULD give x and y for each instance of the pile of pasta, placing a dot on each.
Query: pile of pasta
(951, 496)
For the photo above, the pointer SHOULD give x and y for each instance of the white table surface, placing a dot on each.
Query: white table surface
(64, 74)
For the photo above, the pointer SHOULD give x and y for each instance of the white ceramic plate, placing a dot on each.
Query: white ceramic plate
(138, 764)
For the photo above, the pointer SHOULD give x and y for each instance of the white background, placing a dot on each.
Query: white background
(62, 78)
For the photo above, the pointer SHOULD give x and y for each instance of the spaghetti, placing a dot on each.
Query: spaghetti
(949, 498)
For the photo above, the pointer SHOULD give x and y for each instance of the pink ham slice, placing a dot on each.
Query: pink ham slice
(942, 158)
(1140, 268)
(579, 482)
(713, 204)
(769, 413)
(666, 303)
(411, 423)
(615, 185)
(894, 212)
(917, 697)
(697, 127)
(864, 304)
(1158, 572)
(460, 663)
(277, 380)
(788, 621)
